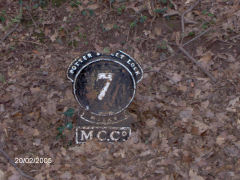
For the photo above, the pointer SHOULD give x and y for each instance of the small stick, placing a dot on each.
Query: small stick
(5, 155)
(151, 23)
(128, 34)
(197, 64)
(171, 14)
(175, 6)
(235, 37)
(198, 36)
(187, 11)
(10, 32)
(160, 60)
(35, 24)
(24, 41)
(15, 27)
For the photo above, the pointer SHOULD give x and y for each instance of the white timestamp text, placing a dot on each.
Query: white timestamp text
(35, 160)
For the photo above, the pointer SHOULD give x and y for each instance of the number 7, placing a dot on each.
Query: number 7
(107, 76)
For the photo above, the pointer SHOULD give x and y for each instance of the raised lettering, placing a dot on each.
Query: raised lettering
(112, 135)
(137, 73)
(99, 135)
(80, 60)
(85, 136)
(89, 55)
(76, 63)
(124, 133)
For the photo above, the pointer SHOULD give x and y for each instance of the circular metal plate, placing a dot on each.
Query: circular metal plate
(104, 87)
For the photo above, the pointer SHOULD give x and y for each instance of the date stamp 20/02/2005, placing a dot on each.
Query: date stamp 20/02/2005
(36, 160)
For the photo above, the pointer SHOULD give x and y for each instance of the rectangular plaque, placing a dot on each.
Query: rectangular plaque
(103, 134)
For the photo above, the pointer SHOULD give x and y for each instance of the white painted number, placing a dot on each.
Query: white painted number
(107, 76)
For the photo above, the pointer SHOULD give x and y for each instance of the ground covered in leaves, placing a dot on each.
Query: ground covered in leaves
(186, 125)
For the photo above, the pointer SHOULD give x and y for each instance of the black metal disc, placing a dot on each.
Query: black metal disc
(104, 87)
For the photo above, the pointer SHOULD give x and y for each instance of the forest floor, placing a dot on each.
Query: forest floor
(186, 108)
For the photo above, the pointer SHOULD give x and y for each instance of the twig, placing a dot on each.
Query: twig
(161, 60)
(24, 41)
(232, 44)
(35, 24)
(110, 4)
(128, 34)
(171, 14)
(198, 36)
(10, 32)
(153, 19)
(175, 6)
(164, 59)
(187, 11)
(5, 155)
(235, 37)
(167, 26)
(15, 27)
(30, 14)
(181, 46)
(197, 64)
(189, 21)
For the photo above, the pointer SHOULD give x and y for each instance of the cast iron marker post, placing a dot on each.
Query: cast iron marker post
(104, 86)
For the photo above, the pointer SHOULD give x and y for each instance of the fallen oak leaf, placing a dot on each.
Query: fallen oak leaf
(54, 36)
(36, 52)
(205, 59)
